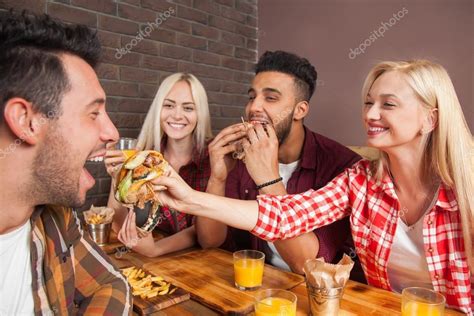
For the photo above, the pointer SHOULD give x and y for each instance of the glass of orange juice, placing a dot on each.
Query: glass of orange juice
(275, 302)
(127, 146)
(422, 302)
(248, 269)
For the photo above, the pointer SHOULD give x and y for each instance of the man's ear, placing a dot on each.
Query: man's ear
(301, 110)
(23, 121)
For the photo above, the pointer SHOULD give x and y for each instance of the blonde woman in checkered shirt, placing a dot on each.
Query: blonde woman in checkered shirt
(410, 209)
(178, 125)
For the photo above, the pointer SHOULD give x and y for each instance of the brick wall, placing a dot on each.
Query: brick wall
(146, 40)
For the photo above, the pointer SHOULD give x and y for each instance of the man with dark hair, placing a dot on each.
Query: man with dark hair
(53, 120)
(304, 74)
(300, 160)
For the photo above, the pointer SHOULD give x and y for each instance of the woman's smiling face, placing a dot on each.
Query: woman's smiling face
(179, 116)
(393, 114)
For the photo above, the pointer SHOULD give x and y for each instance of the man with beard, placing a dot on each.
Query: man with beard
(53, 120)
(297, 160)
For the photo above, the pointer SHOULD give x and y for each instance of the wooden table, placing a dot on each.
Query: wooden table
(358, 299)
(361, 299)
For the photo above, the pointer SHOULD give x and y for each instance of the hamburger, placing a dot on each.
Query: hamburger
(239, 153)
(134, 188)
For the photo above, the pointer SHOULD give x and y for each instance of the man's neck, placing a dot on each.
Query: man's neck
(16, 203)
(13, 214)
(290, 150)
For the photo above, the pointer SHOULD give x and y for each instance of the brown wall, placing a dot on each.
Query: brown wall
(216, 40)
(324, 31)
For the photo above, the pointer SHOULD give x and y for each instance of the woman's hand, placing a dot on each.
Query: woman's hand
(173, 191)
(113, 160)
(128, 234)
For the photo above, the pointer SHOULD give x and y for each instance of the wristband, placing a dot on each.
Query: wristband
(266, 184)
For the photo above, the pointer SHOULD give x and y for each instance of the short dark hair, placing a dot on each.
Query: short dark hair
(304, 73)
(30, 65)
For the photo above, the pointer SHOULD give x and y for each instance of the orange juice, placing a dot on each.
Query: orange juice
(129, 152)
(248, 272)
(422, 309)
(422, 302)
(275, 306)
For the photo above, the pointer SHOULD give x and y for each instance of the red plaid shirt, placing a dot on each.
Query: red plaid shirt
(374, 208)
(196, 173)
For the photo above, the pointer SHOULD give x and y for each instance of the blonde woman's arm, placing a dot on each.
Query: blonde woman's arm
(270, 217)
(147, 246)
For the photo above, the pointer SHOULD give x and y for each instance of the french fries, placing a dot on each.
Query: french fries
(96, 219)
(97, 215)
(146, 285)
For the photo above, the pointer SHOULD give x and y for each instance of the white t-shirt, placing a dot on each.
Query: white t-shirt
(286, 170)
(407, 264)
(16, 293)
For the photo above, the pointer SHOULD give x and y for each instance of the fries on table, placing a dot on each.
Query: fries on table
(145, 285)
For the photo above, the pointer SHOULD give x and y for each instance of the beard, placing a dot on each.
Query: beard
(283, 127)
(54, 179)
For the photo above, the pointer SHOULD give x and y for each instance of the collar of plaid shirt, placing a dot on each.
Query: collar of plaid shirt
(373, 208)
(70, 273)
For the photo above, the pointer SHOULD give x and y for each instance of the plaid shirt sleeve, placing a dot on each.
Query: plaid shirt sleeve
(282, 217)
(100, 288)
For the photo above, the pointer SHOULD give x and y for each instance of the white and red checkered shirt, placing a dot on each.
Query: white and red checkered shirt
(374, 208)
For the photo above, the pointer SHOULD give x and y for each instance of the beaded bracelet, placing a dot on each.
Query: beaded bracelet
(266, 184)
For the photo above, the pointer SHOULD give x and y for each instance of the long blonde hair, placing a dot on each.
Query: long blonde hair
(449, 147)
(151, 133)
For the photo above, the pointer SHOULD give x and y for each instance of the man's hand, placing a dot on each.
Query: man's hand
(221, 149)
(261, 154)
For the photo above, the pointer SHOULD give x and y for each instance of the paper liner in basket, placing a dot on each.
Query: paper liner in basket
(99, 215)
(325, 282)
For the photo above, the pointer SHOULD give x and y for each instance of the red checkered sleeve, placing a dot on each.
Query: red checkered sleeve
(282, 217)
(374, 209)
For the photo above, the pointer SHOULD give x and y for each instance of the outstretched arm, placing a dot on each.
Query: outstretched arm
(271, 217)
(174, 192)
